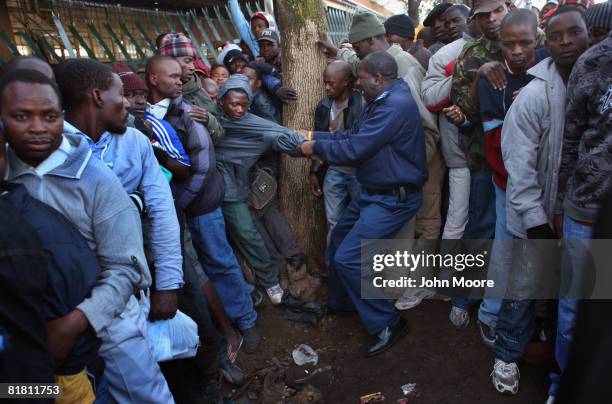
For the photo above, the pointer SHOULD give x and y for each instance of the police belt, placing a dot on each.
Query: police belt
(400, 191)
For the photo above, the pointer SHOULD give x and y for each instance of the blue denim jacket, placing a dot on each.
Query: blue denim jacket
(130, 156)
(91, 197)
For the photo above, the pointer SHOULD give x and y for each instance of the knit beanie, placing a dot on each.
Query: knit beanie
(177, 45)
(268, 18)
(549, 13)
(600, 15)
(437, 12)
(261, 16)
(233, 55)
(131, 81)
(236, 82)
(226, 49)
(364, 26)
(400, 25)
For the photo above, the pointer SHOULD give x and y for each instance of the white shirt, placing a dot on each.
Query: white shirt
(160, 109)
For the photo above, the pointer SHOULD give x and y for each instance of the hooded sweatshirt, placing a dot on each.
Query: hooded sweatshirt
(195, 94)
(531, 142)
(245, 141)
(91, 197)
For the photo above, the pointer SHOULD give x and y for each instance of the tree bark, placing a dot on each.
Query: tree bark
(300, 23)
(413, 10)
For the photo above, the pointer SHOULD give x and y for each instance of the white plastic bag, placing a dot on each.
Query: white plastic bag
(176, 338)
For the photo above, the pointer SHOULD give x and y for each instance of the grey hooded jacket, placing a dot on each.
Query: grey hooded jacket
(245, 141)
(91, 197)
(532, 137)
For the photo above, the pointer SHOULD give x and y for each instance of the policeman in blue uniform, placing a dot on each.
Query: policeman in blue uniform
(387, 147)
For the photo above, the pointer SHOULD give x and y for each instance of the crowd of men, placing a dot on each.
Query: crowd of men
(128, 195)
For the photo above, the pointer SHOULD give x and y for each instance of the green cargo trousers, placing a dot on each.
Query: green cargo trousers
(248, 241)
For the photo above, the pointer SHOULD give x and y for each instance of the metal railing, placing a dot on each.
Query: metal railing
(58, 29)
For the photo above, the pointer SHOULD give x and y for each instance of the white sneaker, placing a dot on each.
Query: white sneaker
(459, 317)
(410, 299)
(505, 377)
(407, 302)
(275, 293)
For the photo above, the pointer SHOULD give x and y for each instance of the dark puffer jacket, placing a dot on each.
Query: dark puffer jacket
(203, 191)
(72, 269)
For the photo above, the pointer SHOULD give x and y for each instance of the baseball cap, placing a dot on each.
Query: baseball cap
(269, 35)
(486, 6)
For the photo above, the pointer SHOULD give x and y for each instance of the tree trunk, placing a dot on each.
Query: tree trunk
(300, 23)
(413, 10)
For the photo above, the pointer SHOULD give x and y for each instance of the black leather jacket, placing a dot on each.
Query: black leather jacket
(322, 112)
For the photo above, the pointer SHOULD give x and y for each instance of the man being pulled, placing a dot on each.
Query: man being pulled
(247, 138)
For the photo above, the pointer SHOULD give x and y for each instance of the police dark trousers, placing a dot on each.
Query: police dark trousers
(387, 147)
(369, 216)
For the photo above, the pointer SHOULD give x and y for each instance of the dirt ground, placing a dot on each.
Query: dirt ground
(448, 366)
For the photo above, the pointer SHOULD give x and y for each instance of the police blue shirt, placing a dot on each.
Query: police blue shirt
(386, 144)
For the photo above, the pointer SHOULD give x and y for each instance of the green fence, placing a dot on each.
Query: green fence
(58, 29)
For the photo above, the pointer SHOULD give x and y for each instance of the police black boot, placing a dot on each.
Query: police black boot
(387, 337)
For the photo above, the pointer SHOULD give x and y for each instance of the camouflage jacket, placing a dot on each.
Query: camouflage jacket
(473, 56)
(584, 175)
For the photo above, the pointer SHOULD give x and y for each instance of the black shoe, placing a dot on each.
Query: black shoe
(251, 339)
(387, 337)
(257, 297)
(296, 261)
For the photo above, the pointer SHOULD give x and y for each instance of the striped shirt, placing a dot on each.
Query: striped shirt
(167, 139)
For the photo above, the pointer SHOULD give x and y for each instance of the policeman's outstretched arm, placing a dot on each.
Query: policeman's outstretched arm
(370, 137)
